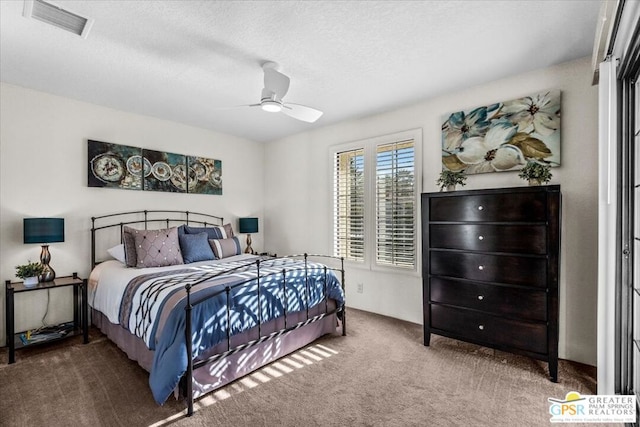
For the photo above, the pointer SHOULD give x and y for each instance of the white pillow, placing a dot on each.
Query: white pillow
(118, 253)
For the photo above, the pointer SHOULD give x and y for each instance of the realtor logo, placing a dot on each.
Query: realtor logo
(570, 406)
(575, 408)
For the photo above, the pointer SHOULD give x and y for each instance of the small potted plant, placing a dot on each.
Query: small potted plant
(449, 179)
(536, 173)
(29, 273)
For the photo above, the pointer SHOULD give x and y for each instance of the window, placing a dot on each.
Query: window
(395, 204)
(619, 81)
(375, 195)
(349, 205)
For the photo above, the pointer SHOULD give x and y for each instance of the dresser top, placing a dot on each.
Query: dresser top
(510, 190)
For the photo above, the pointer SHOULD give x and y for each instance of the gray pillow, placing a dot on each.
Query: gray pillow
(157, 248)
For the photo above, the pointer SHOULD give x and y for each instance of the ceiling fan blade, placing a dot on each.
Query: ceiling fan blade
(276, 82)
(233, 107)
(301, 112)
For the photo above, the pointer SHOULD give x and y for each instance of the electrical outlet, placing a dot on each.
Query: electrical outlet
(360, 288)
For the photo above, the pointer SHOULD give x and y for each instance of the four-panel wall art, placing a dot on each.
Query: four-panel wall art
(133, 168)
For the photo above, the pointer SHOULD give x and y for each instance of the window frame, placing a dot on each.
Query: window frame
(370, 145)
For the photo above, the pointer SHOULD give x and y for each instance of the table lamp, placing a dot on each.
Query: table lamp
(248, 225)
(44, 231)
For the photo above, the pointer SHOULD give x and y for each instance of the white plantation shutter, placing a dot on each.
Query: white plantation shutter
(349, 205)
(395, 202)
(375, 192)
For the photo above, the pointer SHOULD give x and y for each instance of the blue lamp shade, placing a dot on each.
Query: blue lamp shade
(43, 230)
(248, 225)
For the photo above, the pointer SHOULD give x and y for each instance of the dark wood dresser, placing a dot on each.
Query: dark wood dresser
(490, 265)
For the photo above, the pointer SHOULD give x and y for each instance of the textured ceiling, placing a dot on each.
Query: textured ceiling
(188, 60)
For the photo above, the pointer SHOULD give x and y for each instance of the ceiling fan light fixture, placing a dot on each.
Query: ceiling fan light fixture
(271, 106)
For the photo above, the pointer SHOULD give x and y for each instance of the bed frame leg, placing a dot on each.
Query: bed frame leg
(190, 406)
(188, 338)
(344, 305)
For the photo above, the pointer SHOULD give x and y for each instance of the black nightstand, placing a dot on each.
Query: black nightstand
(80, 323)
(268, 255)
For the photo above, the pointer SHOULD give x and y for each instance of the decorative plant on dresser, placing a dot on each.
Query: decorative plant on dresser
(491, 268)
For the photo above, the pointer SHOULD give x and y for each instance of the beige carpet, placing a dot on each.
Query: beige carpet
(379, 375)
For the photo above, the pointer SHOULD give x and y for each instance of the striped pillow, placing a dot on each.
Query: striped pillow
(214, 232)
(131, 259)
(223, 248)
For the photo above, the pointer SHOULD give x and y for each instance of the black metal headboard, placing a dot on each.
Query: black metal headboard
(161, 218)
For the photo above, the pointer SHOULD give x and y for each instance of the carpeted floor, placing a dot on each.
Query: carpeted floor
(378, 375)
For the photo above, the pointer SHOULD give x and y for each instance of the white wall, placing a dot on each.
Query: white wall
(297, 203)
(43, 172)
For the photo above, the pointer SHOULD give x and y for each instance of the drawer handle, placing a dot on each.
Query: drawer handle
(481, 267)
(480, 207)
(480, 237)
(481, 327)
(480, 297)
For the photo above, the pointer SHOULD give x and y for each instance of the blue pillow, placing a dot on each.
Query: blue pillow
(195, 247)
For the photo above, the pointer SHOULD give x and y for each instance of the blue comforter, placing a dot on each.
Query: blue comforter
(154, 307)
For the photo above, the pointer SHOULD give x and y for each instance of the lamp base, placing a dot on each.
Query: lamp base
(249, 249)
(49, 273)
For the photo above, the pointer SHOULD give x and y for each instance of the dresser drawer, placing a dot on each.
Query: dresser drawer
(515, 270)
(523, 207)
(484, 328)
(500, 300)
(529, 239)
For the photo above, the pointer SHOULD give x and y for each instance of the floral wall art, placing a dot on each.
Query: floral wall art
(503, 136)
(132, 168)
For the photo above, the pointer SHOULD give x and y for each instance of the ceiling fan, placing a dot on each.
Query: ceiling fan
(275, 88)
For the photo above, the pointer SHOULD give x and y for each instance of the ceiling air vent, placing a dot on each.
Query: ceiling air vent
(56, 16)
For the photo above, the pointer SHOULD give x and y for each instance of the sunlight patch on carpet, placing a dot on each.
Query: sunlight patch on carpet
(322, 350)
(302, 359)
(286, 365)
(282, 367)
(273, 372)
(313, 356)
(261, 377)
(292, 363)
(248, 382)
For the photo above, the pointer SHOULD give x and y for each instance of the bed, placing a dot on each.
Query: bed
(196, 318)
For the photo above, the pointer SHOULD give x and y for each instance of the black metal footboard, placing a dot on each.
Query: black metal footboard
(192, 365)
